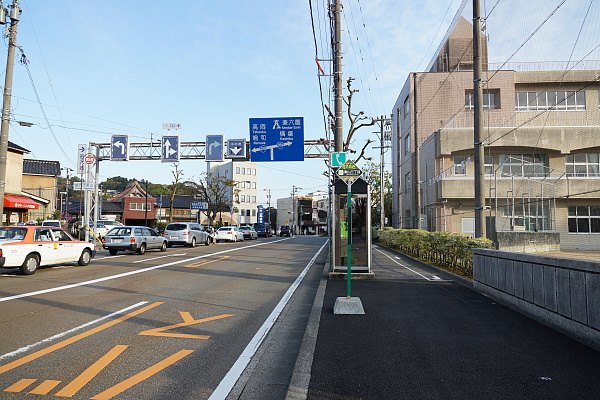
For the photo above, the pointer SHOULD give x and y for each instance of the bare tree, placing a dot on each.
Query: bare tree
(177, 174)
(216, 191)
(357, 121)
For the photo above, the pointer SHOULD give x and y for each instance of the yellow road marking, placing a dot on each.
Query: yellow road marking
(66, 342)
(45, 387)
(91, 372)
(198, 264)
(148, 372)
(22, 384)
(187, 320)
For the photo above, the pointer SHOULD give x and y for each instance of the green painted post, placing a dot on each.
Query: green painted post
(349, 268)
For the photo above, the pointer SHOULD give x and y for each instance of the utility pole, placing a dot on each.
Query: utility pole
(294, 208)
(477, 123)
(337, 78)
(15, 14)
(268, 205)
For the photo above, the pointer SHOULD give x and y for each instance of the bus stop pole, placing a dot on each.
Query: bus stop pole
(349, 227)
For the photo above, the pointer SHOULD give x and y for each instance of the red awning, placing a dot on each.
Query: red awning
(20, 202)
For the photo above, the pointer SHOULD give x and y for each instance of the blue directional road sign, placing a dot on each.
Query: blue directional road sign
(236, 148)
(277, 139)
(119, 148)
(214, 148)
(170, 149)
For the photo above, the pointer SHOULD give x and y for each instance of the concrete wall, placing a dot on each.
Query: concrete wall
(561, 293)
(528, 242)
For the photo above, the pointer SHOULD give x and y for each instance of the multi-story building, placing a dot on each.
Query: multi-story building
(243, 193)
(541, 147)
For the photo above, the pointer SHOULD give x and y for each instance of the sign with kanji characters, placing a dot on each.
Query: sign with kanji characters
(277, 139)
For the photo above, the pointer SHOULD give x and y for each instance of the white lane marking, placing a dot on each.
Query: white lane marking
(139, 271)
(435, 278)
(238, 367)
(156, 258)
(59, 335)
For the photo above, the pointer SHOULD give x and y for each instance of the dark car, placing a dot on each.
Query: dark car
(263, 229)
(285, 231)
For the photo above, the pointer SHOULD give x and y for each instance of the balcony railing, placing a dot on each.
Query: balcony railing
(526, 119)
(546, 66)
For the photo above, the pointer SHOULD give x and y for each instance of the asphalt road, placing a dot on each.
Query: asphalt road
(182, 324)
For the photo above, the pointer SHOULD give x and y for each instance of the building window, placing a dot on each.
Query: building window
(460, 165)
(243, 199)
(254, 199)
(242, 212)
(528, 165)
(237, 198)
(407, 183)
(584, 219)
(253, 185)
(488, 165)
(545, 101)
(237, 170)
(491, 99)
(584, 165)
(528, 215)
(243, 171)
(406, 107)
(407, 144)
(138, 206)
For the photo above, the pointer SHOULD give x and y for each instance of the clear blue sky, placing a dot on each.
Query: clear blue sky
(126, 67)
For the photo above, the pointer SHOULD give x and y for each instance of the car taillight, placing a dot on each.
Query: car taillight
(132, 240)
(165, 234)
(229, 233)
(185, 232)
(1, 253)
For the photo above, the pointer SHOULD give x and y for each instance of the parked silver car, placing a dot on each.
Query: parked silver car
(187, 234)
(134, 238)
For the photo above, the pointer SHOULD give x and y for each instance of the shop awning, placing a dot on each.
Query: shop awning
(20, 202)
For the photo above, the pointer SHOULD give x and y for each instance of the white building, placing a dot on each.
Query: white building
(243, 195)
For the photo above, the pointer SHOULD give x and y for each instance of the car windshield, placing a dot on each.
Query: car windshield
(119, 232)
(12, 233)
(176, 227)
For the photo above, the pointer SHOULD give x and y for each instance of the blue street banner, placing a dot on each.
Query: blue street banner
(261, 214)
(277, 139)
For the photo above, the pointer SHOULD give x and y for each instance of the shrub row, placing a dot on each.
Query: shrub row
(450, 251)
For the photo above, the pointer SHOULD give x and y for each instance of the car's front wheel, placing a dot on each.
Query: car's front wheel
(30, 265)
(85, 258)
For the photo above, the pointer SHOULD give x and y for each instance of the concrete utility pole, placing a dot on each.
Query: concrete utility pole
(15, 15)
(338, 136)
(478, 117)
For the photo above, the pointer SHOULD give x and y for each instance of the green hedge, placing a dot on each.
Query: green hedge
(451, 251)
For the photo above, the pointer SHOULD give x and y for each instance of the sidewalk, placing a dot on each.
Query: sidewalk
(426, 336)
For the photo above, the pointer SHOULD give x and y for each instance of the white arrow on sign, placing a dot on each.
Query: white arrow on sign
(118, 144)
(212, 146)
(279, 145)
(168, 150)
(235, 150)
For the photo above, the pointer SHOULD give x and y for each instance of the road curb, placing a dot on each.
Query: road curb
(298, 387)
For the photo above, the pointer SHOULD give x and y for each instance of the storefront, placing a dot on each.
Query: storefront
(16, 209)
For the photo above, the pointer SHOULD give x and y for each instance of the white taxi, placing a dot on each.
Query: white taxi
(29, 247)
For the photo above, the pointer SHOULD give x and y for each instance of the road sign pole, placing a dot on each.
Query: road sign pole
(349, 258)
